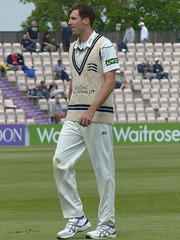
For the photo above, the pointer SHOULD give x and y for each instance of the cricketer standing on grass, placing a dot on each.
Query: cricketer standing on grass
(88, 126)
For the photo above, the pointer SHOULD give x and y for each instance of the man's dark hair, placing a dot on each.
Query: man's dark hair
(85, 11)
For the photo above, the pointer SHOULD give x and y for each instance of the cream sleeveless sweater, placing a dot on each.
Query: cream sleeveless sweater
(87, 81)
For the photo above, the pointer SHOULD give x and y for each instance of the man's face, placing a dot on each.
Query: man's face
(76, 23)
(57, 100)
(34, 24)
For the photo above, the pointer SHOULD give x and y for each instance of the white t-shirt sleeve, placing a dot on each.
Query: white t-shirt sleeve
(109, 57)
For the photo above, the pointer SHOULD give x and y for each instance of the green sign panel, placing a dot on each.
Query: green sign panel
(122, 133)
(146, 133)
(44, 134)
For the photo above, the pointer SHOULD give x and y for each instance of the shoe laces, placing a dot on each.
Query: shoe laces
(73, 223)
(104, 229)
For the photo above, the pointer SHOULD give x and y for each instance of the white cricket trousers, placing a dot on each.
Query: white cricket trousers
(73, 140)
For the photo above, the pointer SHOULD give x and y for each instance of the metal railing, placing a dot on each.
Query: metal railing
(115, 37)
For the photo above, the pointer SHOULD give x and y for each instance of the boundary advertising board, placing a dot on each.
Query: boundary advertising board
(24, 135)
(122, 133)
(12, 135)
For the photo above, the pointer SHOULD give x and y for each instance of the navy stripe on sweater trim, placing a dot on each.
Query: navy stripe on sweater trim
(79, 70)
(86, 106)
(92, 70)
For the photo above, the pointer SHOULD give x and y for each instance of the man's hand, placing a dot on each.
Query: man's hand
(86, 118)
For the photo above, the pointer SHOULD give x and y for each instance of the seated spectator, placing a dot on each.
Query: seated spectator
(60, 70)
(158, 69)
(53, 41)
(57, 111)
(42, 90)
(46, 43)
(148, 70)
(15, 61)
(53, 89)
(120, 81)
(28, 44)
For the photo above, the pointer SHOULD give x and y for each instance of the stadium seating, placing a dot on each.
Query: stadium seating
(144, 101)
(161, 97)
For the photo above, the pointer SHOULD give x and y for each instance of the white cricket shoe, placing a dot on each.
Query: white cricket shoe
(101, 232)
(74, 225)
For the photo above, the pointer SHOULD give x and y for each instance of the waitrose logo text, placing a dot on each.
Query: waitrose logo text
(145, 135)
(49, 136)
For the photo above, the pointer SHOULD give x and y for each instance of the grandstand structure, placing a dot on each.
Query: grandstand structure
(144, 101)
(149, 101)
(17, 105)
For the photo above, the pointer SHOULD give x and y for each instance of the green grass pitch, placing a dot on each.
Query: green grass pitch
(147, 193)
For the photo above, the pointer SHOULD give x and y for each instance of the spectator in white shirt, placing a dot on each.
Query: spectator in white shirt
(144, 33)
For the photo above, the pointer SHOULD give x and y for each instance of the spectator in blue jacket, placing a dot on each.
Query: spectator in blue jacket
(158, 69)
(66, 35)
(60, 70)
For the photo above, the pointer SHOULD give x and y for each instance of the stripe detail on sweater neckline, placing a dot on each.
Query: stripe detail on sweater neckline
(80, 69)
